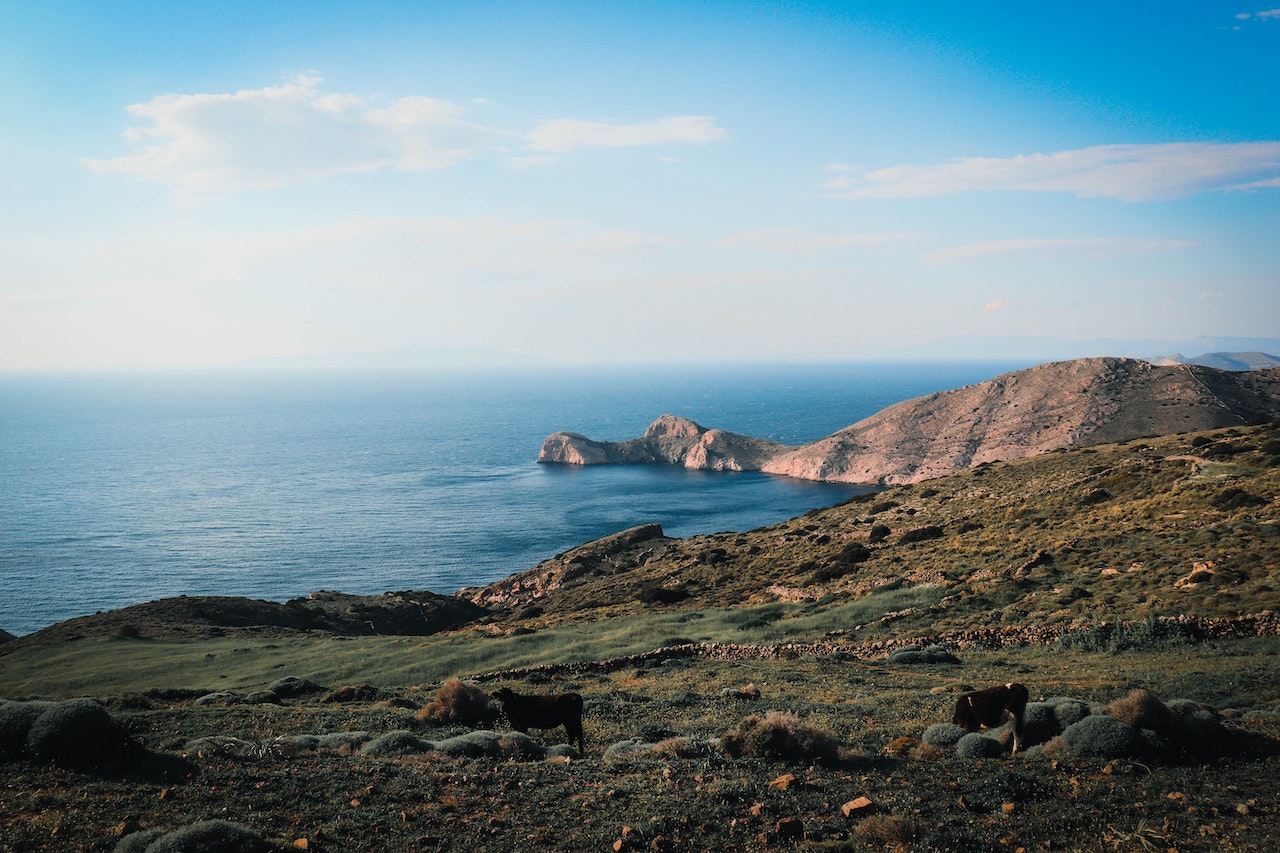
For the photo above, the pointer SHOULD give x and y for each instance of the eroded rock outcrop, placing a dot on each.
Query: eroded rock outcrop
(669, 440)
(1060, 405)
(619, 552)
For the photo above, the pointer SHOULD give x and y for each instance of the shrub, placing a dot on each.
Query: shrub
(1150, 634)
(879, 533)
(921, 534)
(485, 743)
(1237, 498)
(341, 740)
(943, 734)
(929, 654)
(395, 744)
(778, 736)
(291, 686)
(1197, 730)
(1095, 496)
(978, 745)
(1142, 710)
(655, 593)
(219, 745)
(137, 842)
(1040, 723)
(77, 732)
(1067, 711)
(458, 702)
(209, 836)
(1101, 736)
(884, 830)
(852, 554)
(625, 748)
(352, 693)
(15, 724)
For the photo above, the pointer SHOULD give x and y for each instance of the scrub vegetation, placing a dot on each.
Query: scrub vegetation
(786, 688)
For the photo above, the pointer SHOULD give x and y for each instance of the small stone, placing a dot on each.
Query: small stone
(757, 810)
(302, 844)
(355, 804)
(1008, 808)
(783, 782)
(1242, 808)
(166, 794)
(861, 806)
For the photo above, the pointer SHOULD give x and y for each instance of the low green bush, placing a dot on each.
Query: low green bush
(921, 534)
(77, 732)
(492, 744)
(928, 654)
(15, 724)
(978, 745)
(396, 744)
(209, 836)
(1040, 724)
(1101, 736)
(943, 734)
(291, 686)
(1067, 711)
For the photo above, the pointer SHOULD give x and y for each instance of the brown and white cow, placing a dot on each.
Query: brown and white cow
(993, 707)
(543, 712)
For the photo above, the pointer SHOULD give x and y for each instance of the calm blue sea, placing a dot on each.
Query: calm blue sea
(122, 488)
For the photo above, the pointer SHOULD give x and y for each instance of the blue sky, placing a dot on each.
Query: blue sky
(206, 183)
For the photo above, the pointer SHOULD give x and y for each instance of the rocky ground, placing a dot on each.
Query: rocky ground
(1150, 564)
(238, 758)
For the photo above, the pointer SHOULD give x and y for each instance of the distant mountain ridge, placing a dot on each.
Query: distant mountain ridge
(1059, 405)
(1224, 360)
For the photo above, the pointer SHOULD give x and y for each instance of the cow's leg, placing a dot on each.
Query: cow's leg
(574, 733)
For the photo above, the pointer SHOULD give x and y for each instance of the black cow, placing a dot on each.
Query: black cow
(543, 712)
(995, 706)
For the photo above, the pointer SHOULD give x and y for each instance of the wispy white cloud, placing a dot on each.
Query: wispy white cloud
(791, 240)
(256, 139)
(1092, 247)
(1126, 172)
(567, 134)
(997, 306)
(279, 135)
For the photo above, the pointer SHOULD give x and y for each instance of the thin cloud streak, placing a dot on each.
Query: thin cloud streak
(1132, 173)
(1093, 247)
(262, 139)
(560, 135)
(789, 240)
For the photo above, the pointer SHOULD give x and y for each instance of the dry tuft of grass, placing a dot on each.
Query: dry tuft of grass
(457, 702)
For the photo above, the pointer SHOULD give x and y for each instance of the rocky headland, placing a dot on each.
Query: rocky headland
(1055, 406)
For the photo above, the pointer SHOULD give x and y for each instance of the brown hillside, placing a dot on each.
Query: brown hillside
(1053, 406)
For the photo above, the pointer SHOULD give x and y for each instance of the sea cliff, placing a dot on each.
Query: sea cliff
(1055, 406)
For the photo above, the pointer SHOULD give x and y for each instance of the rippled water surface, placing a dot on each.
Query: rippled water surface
(122, 488)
